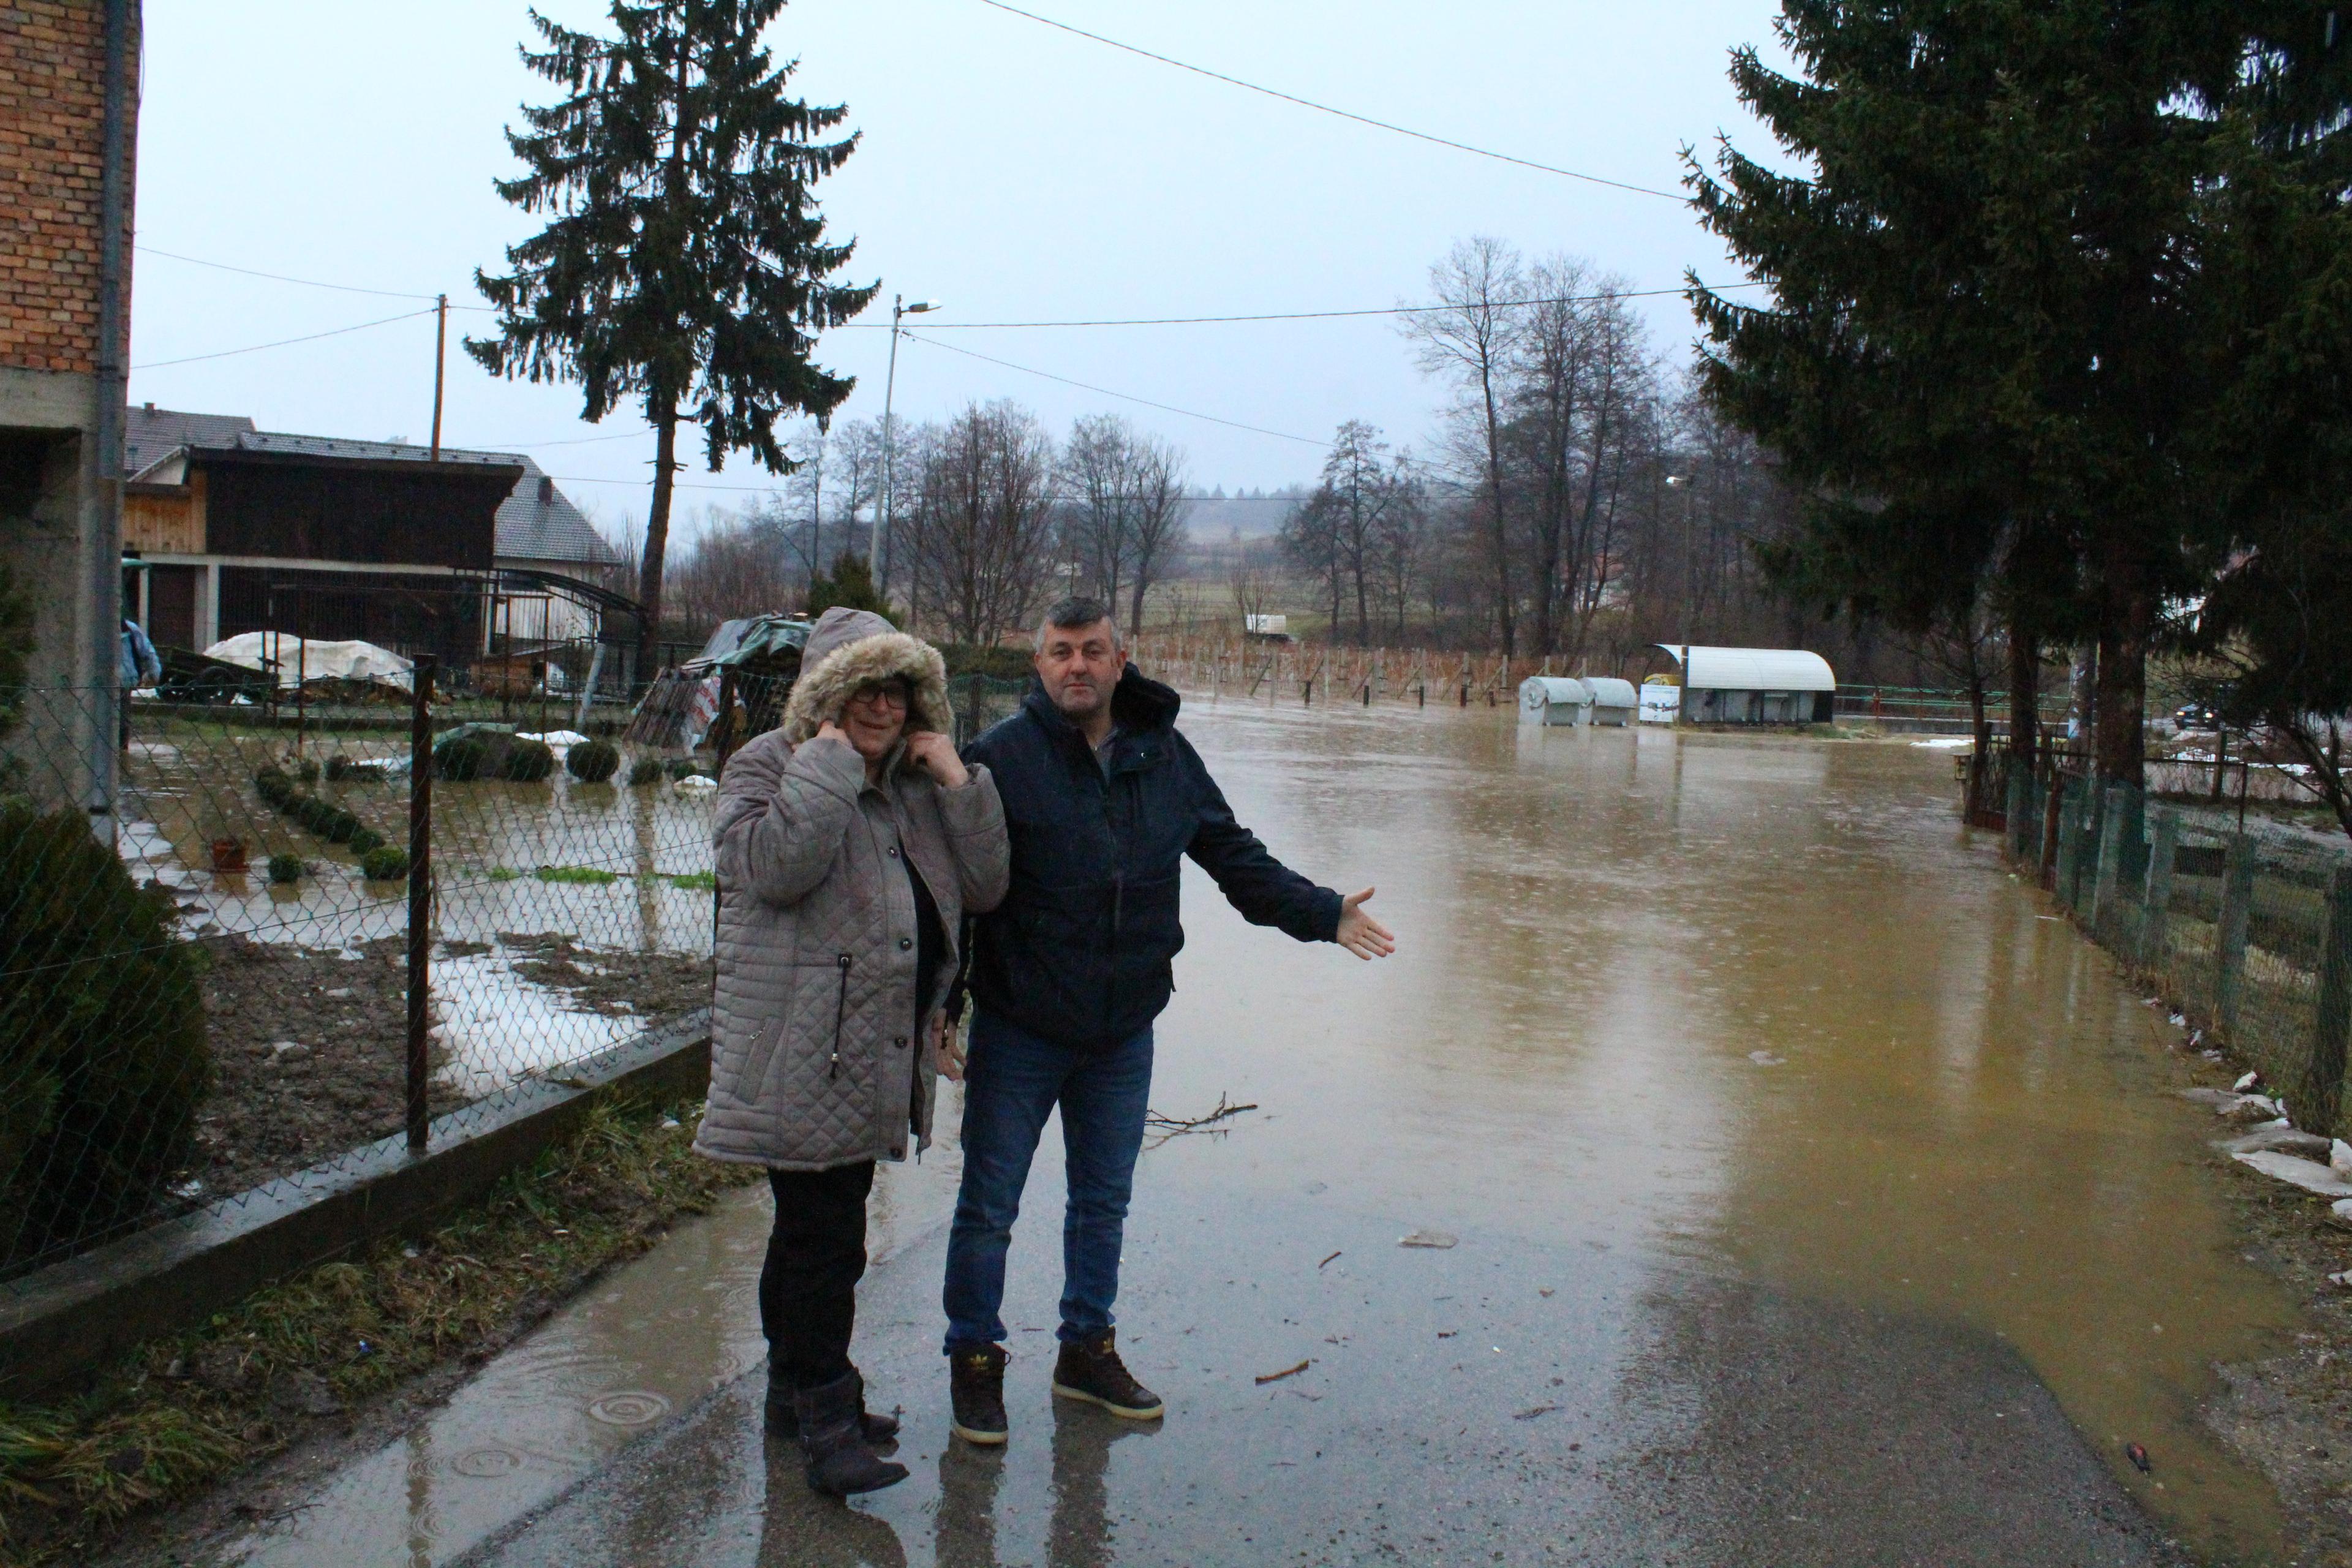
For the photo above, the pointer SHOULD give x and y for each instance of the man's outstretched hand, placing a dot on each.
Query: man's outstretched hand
(1359, 933)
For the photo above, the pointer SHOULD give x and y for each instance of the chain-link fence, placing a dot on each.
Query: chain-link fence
(225, 995)
(328, 917)
(2249, 933)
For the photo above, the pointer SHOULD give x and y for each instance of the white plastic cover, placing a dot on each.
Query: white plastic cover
(298, 659)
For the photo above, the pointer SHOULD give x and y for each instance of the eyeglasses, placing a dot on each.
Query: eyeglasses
(890, 696)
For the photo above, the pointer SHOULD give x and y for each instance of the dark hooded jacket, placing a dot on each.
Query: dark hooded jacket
(1080, 950)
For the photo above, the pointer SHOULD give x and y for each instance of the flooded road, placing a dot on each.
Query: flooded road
(1816, 1200)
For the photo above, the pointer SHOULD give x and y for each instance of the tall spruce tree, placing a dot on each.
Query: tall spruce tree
(684, 262)
(2277, 620)
(1987, 357)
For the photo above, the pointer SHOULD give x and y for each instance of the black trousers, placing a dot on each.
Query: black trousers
(808, 1287)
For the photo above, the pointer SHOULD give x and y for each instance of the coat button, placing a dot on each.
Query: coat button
(905, 942)
(894, 852)
(898, 1153)
(900, 1042)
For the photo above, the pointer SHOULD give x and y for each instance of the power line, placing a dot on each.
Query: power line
(282, 342)
(1298, 315)
(281, 278)
(1124, 396)
(1327, 108)
(770, 489)
(997, 326)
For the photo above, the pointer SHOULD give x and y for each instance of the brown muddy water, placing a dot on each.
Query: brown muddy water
(1677, 1023)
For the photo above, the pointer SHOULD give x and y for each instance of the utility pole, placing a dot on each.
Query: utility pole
(440, 364)
(899, 308)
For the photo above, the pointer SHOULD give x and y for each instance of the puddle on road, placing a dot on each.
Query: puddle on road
(650, 1338)
(1756, 1007)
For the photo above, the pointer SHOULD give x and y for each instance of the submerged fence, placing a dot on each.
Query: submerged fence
(2250, 935)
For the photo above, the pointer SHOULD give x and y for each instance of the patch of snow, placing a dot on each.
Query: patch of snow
(2309, 1174)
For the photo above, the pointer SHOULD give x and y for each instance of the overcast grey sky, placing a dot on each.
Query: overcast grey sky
(1014, 171)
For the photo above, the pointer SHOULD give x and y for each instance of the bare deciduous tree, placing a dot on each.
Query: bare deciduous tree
(982, 519)
(1470, 338)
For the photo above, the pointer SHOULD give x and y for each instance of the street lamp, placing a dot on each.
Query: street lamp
(899, 308)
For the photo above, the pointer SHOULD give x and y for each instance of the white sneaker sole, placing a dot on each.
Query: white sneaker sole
(979, 1439)
(1125, 1411)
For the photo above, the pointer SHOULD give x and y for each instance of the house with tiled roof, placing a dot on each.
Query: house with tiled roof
(237, 528)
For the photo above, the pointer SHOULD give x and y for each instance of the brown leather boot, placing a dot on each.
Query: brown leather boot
(841, 1463)
(1091, 1369)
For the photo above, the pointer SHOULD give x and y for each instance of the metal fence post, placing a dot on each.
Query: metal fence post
(2156, 917)
(2320, 1101)
(2045, 857)
(2070, 843)
(420, 894)
(2237, 910)
(2110, 861)
(2020, 805)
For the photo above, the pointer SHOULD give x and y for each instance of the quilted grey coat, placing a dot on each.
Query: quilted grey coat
(816, 1055)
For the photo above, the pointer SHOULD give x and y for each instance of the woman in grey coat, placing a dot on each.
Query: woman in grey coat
(850, 843)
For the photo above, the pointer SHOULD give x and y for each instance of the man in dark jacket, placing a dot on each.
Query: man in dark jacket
(1102, 800)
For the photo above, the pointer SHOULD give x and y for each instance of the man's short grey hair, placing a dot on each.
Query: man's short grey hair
(1076, 612)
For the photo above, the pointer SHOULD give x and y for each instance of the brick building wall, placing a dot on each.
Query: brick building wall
(52, 138)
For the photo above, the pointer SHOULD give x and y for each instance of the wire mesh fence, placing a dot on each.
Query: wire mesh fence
(2248, 933)
(224, 996)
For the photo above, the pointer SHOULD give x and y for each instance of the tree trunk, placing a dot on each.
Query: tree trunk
(2122, 685)
(2024, 697)
(1135, 612)
(1502, 534)
(649, 573)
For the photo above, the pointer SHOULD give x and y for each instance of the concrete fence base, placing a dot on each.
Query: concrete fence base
(59, 1325)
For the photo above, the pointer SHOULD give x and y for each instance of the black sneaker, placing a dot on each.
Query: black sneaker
(1091, 1369)
(976, 1384)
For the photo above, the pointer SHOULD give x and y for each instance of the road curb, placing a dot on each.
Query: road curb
(73, 1316)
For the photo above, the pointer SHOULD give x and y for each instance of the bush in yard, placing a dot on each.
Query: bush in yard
(103, 1053)
(529, 761)
(284, 869)
(645, 771)
(340, 768)
(462, 757)
(683, 767)
(593, 762)
(307, 770)
(384, 863)
(365, 839)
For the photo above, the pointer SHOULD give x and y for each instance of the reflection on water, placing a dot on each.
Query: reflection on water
(1666, 1009)
(1747, 1003)
(653, 1336)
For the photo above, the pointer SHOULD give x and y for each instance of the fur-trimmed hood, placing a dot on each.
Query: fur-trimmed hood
(847, 649)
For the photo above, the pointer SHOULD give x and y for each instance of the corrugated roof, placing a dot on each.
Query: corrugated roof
(537, 522)
(1751, 669)
(149, 433)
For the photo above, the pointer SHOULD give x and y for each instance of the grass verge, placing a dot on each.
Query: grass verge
(184, 1410)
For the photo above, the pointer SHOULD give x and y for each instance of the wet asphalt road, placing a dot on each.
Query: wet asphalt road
(1454, 1411)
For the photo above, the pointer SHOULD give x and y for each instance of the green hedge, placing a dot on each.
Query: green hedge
(103, 1053)
(593, 762)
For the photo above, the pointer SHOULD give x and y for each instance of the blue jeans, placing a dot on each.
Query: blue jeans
(1013, 1082)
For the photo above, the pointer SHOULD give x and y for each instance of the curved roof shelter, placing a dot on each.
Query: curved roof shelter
(1750, 668)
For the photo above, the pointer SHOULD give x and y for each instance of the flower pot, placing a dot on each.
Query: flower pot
(228, 854)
